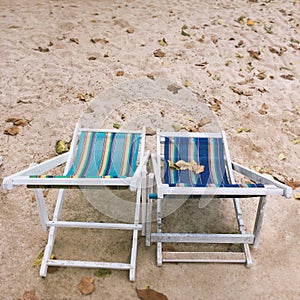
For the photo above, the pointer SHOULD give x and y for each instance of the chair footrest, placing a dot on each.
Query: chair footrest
(88, 264)
(202, 238)
(213, 257)
(68, 224)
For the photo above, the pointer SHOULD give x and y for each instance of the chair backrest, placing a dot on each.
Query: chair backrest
(106, 154)
(205, 151)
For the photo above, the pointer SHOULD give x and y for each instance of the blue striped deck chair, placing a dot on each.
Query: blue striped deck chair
(198, 165)
(97, 159)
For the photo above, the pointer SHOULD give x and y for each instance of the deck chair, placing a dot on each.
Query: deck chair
(97, 159)
(208, 153)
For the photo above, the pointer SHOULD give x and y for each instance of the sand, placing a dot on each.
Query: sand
(237, 63)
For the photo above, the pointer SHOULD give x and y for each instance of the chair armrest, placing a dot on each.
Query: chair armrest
(35, 169)
(138, 171)
(259, 178)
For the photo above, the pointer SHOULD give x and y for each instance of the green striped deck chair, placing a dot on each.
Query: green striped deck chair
(97, 159)
(198, 165)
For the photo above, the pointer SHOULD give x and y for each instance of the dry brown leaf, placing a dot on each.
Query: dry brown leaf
(204, 121)
(29, 295)
(18, 121)
(130, 30)
(190, 128)
(278, 51)
(120, 73)
(99, 40)
(261, 75)
(174, 88)
(263, 110)
(74, 40)
(43, 50)
(292, 183)
(150, 76)
(149, 294)
(214, 39)
(254, 54)
(150, 131)
(250, 22)
(240, 92)
(92, 58)
(13, 130)
(288, 77)
(241, 19)
(86, 285)
(159, 53)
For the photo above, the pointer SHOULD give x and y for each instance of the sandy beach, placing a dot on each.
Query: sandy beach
(161, 64)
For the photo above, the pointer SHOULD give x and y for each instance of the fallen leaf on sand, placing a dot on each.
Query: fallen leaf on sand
(43, 50)
(174, 88)
(292, 183)
(282, 156)
(29, 295)
(102, 273)
(245, 129)
(99, 40)
(278, 50)
(74, 40)
(176, 127)
(250, 22)
(254, 54)
(159, 53)
(85, 97)
(18, 121)
(296, 141)
(61, 147)
(13, 130)
(297, 196)
(149, 294)
(150, 131)
(120, 73)
(116, 125)
(163, 42)
(288, 77)
(240, 92)
(130, 30)
(86, 285)
(263, 109)
(204, 121)
(183, 31)
(38, 260)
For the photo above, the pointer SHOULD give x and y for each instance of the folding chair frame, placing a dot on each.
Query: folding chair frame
(135, 183)
(271, 187)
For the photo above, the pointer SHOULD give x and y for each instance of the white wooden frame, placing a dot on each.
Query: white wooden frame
(271, 187)
(135, 183)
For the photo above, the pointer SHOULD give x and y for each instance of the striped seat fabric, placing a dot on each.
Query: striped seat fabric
(208, 152)
(106, 155)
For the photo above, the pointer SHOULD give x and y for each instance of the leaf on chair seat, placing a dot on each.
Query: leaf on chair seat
(86, 285)
(149, 294)
(183, 165)
(173, 165)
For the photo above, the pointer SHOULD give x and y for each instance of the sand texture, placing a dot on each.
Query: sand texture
(232, 65)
